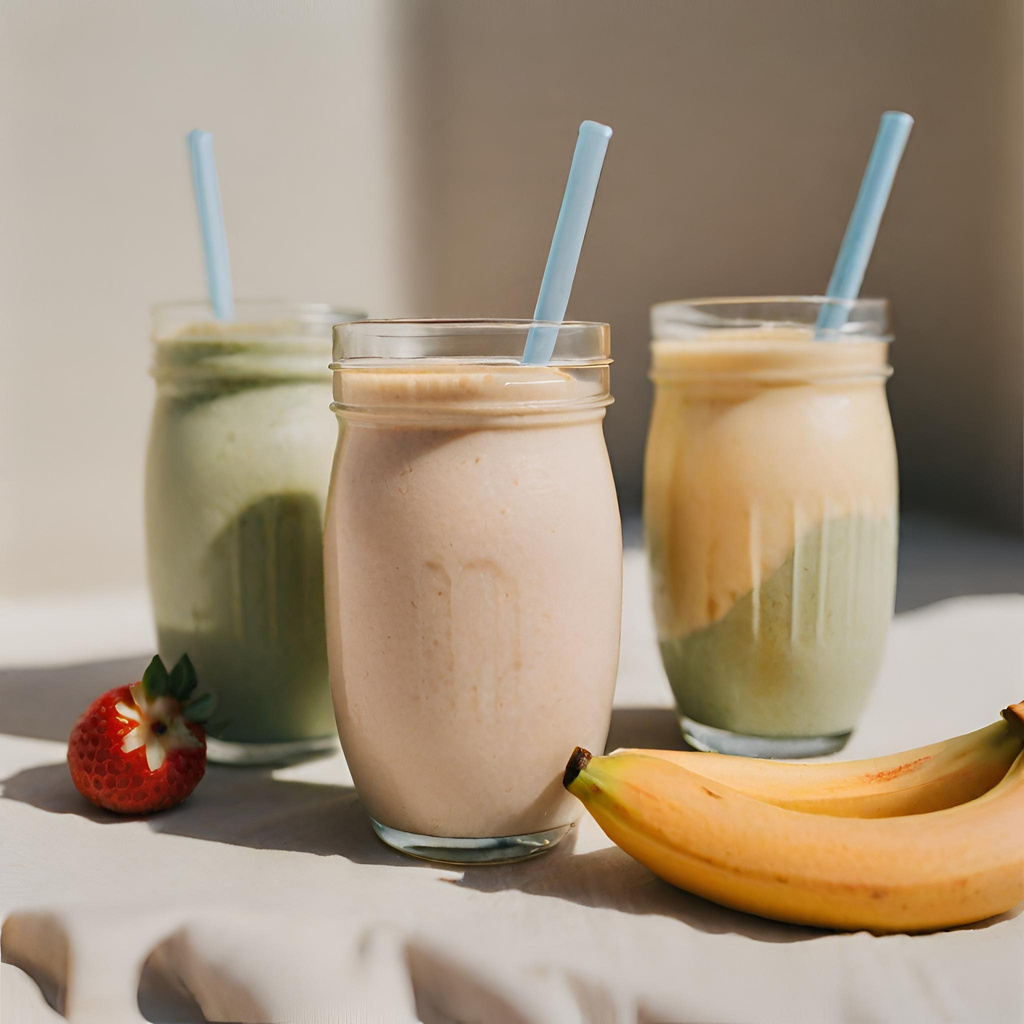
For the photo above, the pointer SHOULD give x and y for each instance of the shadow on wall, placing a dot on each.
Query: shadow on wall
(741, 133)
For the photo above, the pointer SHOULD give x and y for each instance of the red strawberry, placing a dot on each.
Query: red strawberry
(141, 748)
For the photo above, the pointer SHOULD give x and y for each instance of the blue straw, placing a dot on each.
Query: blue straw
(859, 240)
(211, 224)
(570, 229)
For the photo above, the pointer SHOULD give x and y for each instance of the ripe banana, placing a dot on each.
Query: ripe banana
(913, 782)
(908, 873)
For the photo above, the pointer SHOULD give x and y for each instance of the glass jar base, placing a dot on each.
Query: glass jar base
(445, 850)
(722, 741)
(287, 752)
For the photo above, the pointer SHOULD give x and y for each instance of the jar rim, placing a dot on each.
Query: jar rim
(471, 321)
(680, 319)
(474, 340)
(299, 318)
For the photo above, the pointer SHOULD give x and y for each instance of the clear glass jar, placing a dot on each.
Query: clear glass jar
(237, 469)
(472, 560)
(770, 513)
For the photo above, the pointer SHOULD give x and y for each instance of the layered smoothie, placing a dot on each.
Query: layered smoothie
(770, 517)
(239, 459)
(473, 569)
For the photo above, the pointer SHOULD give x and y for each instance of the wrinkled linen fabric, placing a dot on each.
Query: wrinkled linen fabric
(267, 898)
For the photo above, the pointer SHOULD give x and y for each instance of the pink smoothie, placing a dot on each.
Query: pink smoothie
(473, 585)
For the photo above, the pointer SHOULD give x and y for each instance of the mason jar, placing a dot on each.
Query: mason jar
(239, 459)
(473, 566)
(770, 513)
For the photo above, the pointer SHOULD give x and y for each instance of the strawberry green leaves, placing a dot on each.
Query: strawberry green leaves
(183, 679)
(155, 680)
(179, 683)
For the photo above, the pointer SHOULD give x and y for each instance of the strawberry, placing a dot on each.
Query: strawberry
(141, 748)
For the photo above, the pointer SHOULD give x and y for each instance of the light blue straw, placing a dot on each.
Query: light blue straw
(570, 229)
(211, 224)
(859, 240)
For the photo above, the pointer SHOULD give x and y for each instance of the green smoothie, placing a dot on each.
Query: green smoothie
(239, 460)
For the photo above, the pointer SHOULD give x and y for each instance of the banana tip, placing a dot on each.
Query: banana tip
(579, 760)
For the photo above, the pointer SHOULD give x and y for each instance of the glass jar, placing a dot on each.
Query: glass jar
(770, 512)
(236, 480)
(472, 560)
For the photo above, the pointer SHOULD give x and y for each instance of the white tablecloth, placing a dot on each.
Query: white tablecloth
(266, 897)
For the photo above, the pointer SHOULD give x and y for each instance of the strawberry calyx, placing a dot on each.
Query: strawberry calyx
(162, 708)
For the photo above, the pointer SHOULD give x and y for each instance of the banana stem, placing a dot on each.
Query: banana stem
(1014, 714)
(579, 760)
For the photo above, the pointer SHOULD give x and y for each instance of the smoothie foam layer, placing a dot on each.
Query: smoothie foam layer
(465, 388)
(784, 353)
(757, 438)
(223, 355)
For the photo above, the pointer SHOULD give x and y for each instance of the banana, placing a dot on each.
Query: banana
(908, 873)
(913, 782)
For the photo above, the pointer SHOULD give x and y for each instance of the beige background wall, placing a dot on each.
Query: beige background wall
(98, 223)
(410, 156)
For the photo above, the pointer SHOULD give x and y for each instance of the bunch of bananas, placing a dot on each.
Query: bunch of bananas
(916, 841)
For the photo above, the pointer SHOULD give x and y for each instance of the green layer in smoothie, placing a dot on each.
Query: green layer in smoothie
(257, 640)
(236, 484)
(796, 656)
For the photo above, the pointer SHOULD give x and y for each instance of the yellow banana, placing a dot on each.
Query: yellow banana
(912, 782)
(908, 873)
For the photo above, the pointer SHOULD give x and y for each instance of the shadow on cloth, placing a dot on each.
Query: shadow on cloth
(43, 703)
(265, 812)
(653, 728)
(242, 807)
(610, 879)
(70, 689)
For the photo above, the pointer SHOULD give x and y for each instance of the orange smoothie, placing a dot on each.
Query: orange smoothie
(771, 523)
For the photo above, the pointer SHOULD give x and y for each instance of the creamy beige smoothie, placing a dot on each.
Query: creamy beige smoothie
(473, 571)
(239, 459)
(771, 522)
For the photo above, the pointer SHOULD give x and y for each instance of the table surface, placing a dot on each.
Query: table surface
(266, 897)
